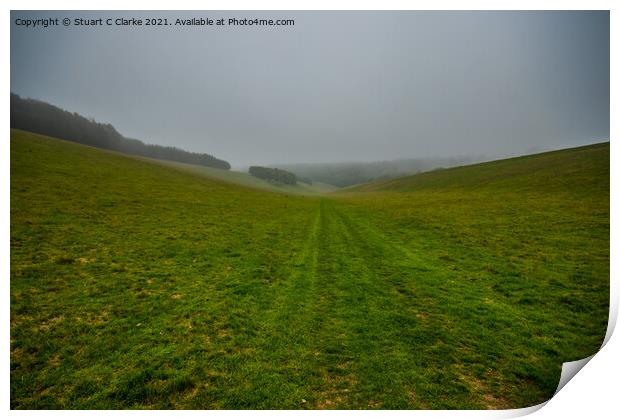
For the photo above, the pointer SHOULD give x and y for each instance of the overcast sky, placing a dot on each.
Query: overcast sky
(336, 86)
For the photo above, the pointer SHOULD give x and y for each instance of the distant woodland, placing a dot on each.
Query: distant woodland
(43, 118)
(273, 175)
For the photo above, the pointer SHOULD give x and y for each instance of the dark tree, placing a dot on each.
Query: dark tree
(43, 118)
(273, 175)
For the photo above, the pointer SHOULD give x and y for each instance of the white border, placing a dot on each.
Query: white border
(593, 393)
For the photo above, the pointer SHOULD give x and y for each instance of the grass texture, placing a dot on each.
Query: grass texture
(140, 285)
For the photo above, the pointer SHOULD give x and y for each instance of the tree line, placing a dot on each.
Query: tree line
(43, 118)
(273, 175)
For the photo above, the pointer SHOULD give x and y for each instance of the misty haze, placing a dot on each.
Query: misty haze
(306, 209)
(336, 86)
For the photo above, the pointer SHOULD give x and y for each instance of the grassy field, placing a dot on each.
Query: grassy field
(138, 285)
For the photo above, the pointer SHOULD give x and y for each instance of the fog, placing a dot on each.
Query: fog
(336, 86)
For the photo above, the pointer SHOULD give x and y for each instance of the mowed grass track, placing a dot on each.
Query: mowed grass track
(137, 286)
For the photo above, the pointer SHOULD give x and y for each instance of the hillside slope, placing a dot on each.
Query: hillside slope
(139, 285)
(562, 170)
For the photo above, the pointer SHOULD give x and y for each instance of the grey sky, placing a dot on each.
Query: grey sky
(336, 86)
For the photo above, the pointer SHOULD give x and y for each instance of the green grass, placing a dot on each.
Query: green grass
(139, 285)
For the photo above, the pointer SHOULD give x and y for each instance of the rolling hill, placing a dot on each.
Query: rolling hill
(346, 174)
(245, 179)
(578, 169)
(146, 284)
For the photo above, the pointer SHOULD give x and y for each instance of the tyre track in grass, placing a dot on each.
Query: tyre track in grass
(306, 357)
(333, 377)
(311, 341)
(349, 328)
(361, 327)
(380, 320)
(277, 369)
